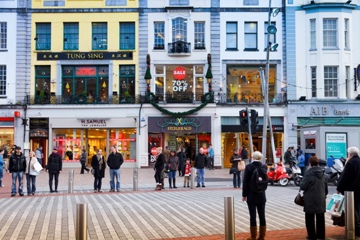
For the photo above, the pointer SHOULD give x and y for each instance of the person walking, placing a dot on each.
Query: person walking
(350, 181)
(54, 168)
(31, 173)
(301, 162)
(234, 159)
(210, 158)
(159, 167)
(83, 162)
(255, 199)
(199, 164)
(114, 161)
(98, 165)
(182, 157)
(315, 190)
(173, 163)
(39, 154)
(1, 166)
(187, 173)
(6, 158)
(17, 166)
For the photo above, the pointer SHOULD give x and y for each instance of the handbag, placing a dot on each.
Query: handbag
(241, 165)
(92, 171)
(339, 221)
(299, 199)
(232, 170)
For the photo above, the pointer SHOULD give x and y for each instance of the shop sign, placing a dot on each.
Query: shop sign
(93, 122)
(39, 123)
(321, 111)
(179, 73)
(336, 145)
(184, 124)
(53, 56)
(358, 72)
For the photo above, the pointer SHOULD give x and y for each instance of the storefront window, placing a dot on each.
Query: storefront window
(6, 137)
(124, 140)
(127, 84)
(42, 84)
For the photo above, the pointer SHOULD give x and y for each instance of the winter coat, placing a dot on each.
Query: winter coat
(350, 178)
(187, 169)
(301, 160)
(95, 164)
(115, 160)
(244, 154)
(181, 156)
(174, 163)
(252, 197)
(166, 155)
(315, 190)
(30, 166)
(200, 161)
(54, 165)
(233, 161)
(1, 162)
(287, 156)
(83, 157)
(17, 163)
(160, 161)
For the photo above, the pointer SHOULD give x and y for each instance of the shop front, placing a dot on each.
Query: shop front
(7, 131)
(39, 134)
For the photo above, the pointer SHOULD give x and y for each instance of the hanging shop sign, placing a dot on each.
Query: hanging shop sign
(53, 56)
(39, 128)
(183, 124)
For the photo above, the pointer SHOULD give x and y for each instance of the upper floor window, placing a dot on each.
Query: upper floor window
(159, 35)
(250, 30)
(2, 80)
(127, 83)
(99, 36)
(179, 29)
(312, 33)
(330, 33)
(272, 36)
(199, 35)
(71, 36)
(346, 33)
(331, 81)
(231, 36)
(179, 2)
(3, 35)
(42, 84)
(127, 36)
(313, 82)
(43, 36)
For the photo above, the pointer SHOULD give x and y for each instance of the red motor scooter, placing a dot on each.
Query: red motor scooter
(278, 175)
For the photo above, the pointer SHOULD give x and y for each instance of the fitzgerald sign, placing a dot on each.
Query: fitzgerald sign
(177, 125)
(53, 56)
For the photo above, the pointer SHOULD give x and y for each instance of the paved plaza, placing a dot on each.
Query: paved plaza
(142, 214)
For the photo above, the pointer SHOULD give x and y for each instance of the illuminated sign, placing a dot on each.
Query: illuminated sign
(85, 71)
(53, 56)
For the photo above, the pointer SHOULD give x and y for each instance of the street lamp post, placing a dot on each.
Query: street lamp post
(148, 75)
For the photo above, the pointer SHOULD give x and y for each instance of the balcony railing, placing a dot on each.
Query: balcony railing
(179, 47)
(250, 98)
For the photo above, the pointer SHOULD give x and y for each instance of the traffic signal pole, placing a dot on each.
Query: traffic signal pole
(251, 148)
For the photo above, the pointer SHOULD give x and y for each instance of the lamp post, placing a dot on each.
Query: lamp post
(209, 75)
(148, 74)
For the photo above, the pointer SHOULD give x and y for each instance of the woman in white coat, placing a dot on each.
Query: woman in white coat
(31, 173)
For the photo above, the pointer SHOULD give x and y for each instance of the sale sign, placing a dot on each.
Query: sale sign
(179, 73)
(179, 86)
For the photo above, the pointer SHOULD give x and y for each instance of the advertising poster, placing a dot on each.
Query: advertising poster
(336, 145)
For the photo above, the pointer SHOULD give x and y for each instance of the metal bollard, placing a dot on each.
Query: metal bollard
(229, 218)
(81, 221)
(192, 178)
(135, 178)
(71, 181)
(349, 215)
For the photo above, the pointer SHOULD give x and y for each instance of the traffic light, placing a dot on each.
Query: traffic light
(254, 120)
(243, 118)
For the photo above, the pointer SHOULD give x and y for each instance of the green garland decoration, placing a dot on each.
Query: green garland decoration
(207, 98)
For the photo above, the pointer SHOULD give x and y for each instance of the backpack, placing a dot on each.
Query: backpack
(259, 180)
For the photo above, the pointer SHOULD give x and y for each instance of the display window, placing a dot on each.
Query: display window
(124, 140)
(6, 137)
(42, 84)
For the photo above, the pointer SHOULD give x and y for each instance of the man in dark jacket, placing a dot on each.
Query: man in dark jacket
(17, 167)
(200, 163)
(54, 168)
(288, 157)
(350, 181)
(114, 161)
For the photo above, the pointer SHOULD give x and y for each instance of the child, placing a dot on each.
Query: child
(187, 172)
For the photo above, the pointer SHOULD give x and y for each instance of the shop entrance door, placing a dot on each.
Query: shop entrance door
(96, 139)
(35, 143)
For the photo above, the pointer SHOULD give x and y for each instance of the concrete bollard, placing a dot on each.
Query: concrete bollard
(135, 178)
(81, 221)
(192, 178)
(349, 215)
(71, 181)
(229, 218)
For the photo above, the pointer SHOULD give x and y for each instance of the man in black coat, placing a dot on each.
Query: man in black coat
(114, 161)
(200, 163)
(54, 168)
(350, 181)
(17, 167)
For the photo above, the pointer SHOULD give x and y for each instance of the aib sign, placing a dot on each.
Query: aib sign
(179, 84)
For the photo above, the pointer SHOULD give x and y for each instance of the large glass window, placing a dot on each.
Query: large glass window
(331, 81)
(272, 36)
(179, 29)
(99, 36)
(313, 82)
(42, 84)
(71, 36)
(127, 84)
(346, 33)
(250, 30)
(7, 136)
(199, 35)
(2, 80)
(127, 36)
(159, 35)
(330, 33)
(231, 35)
(3, 35)
(312, 33)
(43, 36)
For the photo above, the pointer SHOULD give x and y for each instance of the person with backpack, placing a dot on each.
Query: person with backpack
(254, 186)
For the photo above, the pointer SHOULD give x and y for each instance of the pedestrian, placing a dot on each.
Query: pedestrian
(159, 167)
(187, 173)
(234, 159)
(83, 162)
(315, 190)
(39, 154)
(6, 156)
(173, 164)
(1, 166)
(17, 166)
(350, 181)
(114, 161)
(31, 173)
(54, 168)
(181, 156)
(288, 157)
(199, 164)
(98, 165)
(210, 157)
(255, 199)
(244, 155)
(301, 162)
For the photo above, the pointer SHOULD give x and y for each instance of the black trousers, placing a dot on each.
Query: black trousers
(158, 176)
(357, 219)
(317, 232)
(51, 176)
(261, 212)
(83, 167)
(97, 183)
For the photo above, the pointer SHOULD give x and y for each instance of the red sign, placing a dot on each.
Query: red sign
(179, 73)
(16, 114)
(153, 151)
(85, 71)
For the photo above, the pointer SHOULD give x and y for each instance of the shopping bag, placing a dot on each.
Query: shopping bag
(241, 165)
(336, 205)
(37, 167)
